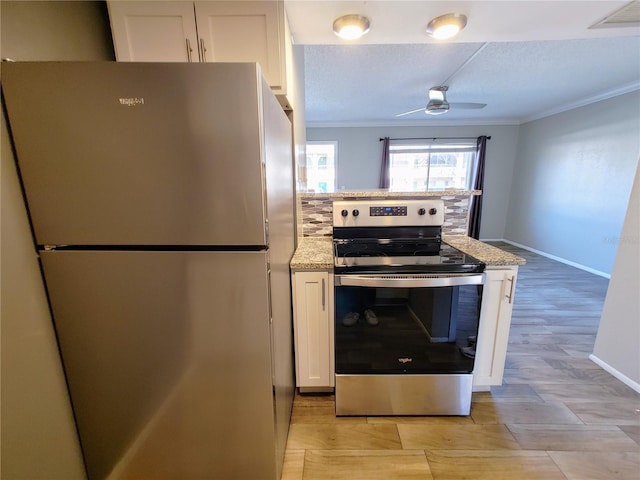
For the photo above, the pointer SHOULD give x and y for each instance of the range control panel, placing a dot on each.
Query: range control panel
(388, 213)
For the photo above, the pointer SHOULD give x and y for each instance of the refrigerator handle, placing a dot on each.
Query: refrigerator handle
(269, 294)
(271, 334)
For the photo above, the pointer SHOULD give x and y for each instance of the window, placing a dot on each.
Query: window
(425, 165)
(321, 166)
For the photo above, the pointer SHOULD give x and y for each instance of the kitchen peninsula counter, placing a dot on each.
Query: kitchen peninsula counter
(314, 294)
(492, 256)
(316, 208)
(384, 194)
(316, 253)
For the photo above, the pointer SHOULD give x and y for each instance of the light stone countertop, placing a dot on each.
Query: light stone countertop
(492, 256)
(313, 253)
(316, 253)
(380, 193)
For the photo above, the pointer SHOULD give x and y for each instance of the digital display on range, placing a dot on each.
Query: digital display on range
(388, 211)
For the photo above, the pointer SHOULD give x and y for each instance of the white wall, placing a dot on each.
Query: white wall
(360, 154)
(56, 30)
(38, 438)
(617, 346)
(38, 434)
(572, 181)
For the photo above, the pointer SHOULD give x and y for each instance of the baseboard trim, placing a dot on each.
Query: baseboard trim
(616, 373)
(557, 259)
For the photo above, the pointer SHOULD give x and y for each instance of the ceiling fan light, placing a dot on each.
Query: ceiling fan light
(436, 95)
(351, 27)
(446, 26)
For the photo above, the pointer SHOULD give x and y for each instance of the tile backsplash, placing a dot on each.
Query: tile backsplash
(317, 215)
(317, 218)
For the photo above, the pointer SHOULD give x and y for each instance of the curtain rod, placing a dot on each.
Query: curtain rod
(438, 138)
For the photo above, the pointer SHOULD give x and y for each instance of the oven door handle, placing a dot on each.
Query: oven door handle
(409, 281)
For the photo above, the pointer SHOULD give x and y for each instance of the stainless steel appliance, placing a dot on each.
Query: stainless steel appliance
(161, 201)
(407, 310)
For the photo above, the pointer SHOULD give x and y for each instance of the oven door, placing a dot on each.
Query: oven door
(405, 335)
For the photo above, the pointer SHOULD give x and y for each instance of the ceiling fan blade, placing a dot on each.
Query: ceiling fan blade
(467, 106)
(421, 109)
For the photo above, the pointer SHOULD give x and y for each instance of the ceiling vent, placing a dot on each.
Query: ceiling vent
(627, 16)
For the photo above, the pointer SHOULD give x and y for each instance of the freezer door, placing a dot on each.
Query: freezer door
(139, 154)
(168, 360)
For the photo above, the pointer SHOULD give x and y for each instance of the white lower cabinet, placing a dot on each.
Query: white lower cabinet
(313, 330)
(493, 330)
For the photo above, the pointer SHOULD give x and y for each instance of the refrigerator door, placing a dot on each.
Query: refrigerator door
(280, 211)
(139, 154)
(168, 360)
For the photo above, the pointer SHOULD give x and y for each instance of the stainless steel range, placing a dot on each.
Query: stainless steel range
(407, 310)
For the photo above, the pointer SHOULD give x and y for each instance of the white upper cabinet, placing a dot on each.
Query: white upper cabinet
(242, 32)
(207, 31)
(154, 31)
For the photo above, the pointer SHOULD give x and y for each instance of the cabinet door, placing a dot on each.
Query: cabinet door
(493, 330)
(247, 31)
(147, 31)
(313, 325)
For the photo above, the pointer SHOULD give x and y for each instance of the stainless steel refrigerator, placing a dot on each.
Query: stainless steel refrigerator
(161, 202)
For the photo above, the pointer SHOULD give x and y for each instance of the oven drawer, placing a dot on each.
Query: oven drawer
(403, 394)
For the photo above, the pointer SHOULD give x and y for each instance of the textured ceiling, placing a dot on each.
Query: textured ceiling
(519, 78)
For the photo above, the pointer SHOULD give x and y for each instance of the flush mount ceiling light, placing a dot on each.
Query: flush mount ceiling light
(446, 26)
(351, 27)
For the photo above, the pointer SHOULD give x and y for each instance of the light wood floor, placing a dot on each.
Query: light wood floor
(556, 416)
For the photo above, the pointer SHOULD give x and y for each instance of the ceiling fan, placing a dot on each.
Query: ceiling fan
(438, 103)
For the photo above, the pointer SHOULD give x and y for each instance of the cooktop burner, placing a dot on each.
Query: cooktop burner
(357, 250)
(445, 260)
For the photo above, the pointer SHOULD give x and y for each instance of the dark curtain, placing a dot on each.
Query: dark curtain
(475, 213)
(384, 168)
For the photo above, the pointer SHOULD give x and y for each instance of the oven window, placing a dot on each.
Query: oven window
(406, 330)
